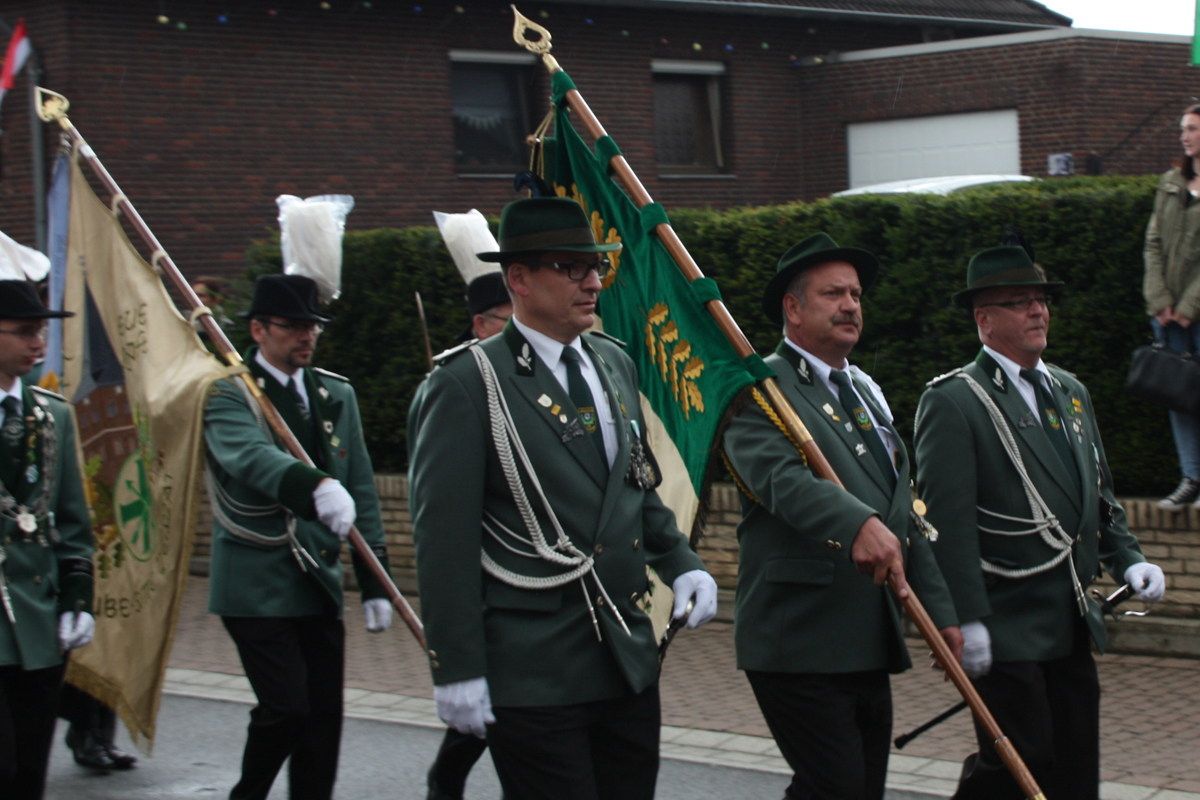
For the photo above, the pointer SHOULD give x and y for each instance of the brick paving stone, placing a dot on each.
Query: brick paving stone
(1150, 708)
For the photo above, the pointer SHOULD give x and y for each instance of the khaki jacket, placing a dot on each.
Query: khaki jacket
(1172, 251)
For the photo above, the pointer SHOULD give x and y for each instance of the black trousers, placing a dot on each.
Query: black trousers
(28, 712)
(834, 730)
(606, 750)
(1050, 710)
(455, 758)
(295, 666)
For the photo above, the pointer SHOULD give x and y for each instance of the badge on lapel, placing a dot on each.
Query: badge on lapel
(1027, 421)
(805, 373)
(998, 379)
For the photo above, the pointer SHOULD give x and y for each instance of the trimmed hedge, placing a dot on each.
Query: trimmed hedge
(1087, 232)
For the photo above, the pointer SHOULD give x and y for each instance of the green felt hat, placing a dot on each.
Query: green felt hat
(545, 223)
(813, 251)
(1001, 266)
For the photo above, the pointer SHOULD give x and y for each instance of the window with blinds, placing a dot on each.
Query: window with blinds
(687, 116)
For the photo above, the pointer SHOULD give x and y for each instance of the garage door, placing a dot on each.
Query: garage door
(926, 147)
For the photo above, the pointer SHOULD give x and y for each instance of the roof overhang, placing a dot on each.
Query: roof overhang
(800, 11)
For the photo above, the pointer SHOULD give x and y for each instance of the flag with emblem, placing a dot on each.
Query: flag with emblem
(689, 372)
(138, 377)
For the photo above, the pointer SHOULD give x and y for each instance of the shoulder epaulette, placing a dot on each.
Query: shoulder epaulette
(609, 337)
(48, 393)
(446, 355)
(329, 374)
(943, 377)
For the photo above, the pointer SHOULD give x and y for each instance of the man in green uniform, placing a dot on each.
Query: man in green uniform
(1010, 461)
(278, 530)
(816, 637)
(45, 547)
(534, 518)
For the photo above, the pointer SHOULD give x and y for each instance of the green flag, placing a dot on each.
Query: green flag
(689, 371)
(1196, 38)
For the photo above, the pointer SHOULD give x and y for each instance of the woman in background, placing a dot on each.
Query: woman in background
(1172, 288)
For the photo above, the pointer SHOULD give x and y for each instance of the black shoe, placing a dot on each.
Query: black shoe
(120, 759)
(89, 752)
(106, 735)
(1184, 495)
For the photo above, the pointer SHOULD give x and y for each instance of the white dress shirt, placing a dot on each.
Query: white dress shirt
(1013, 370)
(823, 370)
(281, 376)
(550, 352)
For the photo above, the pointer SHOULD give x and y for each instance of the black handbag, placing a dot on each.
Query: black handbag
(1165, 378)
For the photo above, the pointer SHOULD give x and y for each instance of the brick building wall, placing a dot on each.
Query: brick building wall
(1169, 539)
(204, 127)
(1118, 95)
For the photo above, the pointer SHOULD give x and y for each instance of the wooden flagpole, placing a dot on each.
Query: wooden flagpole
(52, 107)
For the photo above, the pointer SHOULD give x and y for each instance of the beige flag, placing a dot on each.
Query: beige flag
(142, 446)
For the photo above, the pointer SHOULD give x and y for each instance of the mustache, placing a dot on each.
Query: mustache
(847, 319)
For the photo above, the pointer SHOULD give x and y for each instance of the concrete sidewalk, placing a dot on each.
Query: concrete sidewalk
(1150, 712)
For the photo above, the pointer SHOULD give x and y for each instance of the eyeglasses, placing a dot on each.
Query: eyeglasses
(1023, 304)
(297, 328)
(496, 317)
(29, 334)
(578, 270)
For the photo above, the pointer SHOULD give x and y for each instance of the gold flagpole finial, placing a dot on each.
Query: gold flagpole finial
(52, 107)
(539, 43)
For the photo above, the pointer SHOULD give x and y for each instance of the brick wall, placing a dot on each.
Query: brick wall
(204, 127)
(1169, 539)
(1119, 98)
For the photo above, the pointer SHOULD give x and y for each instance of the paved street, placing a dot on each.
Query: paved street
(200, 749)
(1150, 722)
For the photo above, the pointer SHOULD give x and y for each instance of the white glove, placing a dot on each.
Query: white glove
(465, 706)
(1147, 580)
(378, 613)
(335, 507)
(698, 583)
(75, 630)
(977, 649)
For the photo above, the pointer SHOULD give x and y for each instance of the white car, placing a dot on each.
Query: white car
(945, 184)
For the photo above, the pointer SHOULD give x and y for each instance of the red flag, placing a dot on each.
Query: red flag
(19, 49)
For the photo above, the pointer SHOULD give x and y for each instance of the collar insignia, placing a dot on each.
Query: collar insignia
(323, 392)
(802, 369)
(860, 449)
(524, 359)
(38, 414)
(998, 379)
(262, 384)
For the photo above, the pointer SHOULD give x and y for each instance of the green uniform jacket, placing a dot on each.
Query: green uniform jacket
(1172, 251)
(252, 580)
(536, 647)
(801, 604)
(49, 571)
(961, 464)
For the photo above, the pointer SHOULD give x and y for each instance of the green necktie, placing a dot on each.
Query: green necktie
(581, 396)
(301, 406)
(858, 413)
(1052, 422)
(14, 426)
